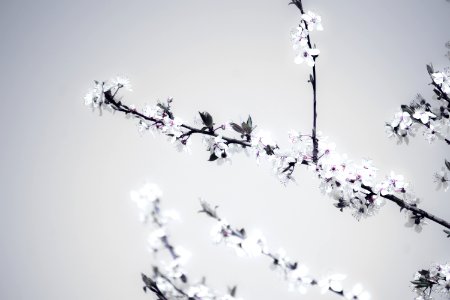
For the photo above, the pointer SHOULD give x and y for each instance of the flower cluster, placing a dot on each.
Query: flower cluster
(420, 114)
(169, 279)
(301, 43)
(426, 283)
(294, 273)
(95, 96)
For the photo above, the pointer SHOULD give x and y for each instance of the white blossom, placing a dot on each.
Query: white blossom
(94, 97)
(332, 282)
(121, 82)
(402, 120)
(423, 115)
(442, 79)
(299, 38)
(306, 55)
(358, 293)
(313, 20)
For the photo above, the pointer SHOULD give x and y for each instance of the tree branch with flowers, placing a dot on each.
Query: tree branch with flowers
(352, 186)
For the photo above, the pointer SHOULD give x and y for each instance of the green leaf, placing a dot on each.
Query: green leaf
(232, 291)
(447, 232)
(250, 122)
(269, 150)
(407, 109)
(247, 129)
(430, 69)
(207, 119)
(237, 128)
(213, 157)
(447, 164)
(208, 209)
(420, 283)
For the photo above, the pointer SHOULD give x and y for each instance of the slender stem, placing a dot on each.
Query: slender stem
(119, 106)
(313, 81)
(314, 130)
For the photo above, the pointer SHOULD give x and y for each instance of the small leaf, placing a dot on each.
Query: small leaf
(208, 209)
(420, 283)
(269, 150)
(250, 122)
(447, 232)
(447, 164)
(430, 69)
(232, 291)
(247, 129)
(237, 128)
(183, 278)
(212, 157)
(206, 119)
(407, 109)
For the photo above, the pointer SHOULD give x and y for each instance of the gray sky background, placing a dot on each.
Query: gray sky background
(68, 229)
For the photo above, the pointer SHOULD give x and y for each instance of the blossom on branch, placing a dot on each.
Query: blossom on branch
(420, 114)
(254, 245)
(353, 186)
(313, 21)
(169, 279)
(301, 42)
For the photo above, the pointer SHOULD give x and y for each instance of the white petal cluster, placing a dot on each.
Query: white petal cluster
(423, 115)
(300, 39)
(95, 96)
(442, 79)
(393, 184)
(121, 82)
(358, 293)
(244, 245)
(313, 20)
(420, 115)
